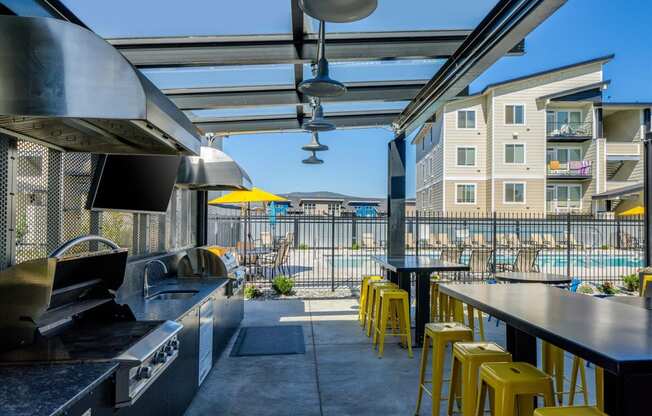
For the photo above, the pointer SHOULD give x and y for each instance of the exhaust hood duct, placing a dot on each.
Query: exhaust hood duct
(212, 170)
(65, 87)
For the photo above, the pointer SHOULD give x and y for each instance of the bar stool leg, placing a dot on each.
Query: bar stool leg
(425, 350)
(599, 388)
(481, 326)
(505, 404)
(480, 404)
(438, 354)
(383, 329)
(407, 326)
(471, 318)
(585, 390)
(455, 386)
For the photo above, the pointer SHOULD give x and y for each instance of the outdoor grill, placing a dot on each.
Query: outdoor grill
(62, 309)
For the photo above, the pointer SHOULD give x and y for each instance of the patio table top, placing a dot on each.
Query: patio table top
(533, 277)
(637, 301)
(612, 335)
(411, 263)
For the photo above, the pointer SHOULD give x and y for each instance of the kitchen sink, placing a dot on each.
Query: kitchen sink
(173, 295)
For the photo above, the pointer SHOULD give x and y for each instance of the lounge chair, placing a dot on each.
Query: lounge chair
(266, 239)
(479, 261)
(525, 261)
(574, 243)
(550, 241)
(502, 240)
(536, 240)
(478, 241)
(451, 254)
(368, 241)
(409, 240)
(438, 240)
(514, 241)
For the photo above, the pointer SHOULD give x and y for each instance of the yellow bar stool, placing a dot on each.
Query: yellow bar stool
(364, 297)
(568, 411)
(467, 358)
(394, 301)
(647, 278)
(553, 365)
(439, 334)
(374, 286)
(453, 310)
(514, 385)
(599, 388)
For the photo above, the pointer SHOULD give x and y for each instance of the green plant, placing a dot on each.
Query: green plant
(355, 246)
(283, 285)
(631, 282)
(607, 288)
(604, 247)
(252, 292)
(585, 289)
(21, 227)
(303, 246)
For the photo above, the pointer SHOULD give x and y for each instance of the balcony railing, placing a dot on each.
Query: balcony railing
(569, 129)
(574, 169)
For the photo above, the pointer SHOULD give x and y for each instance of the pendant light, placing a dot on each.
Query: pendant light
(314, 145)
(338, 11)
(318, 122)
(322, 85)
(312, 160)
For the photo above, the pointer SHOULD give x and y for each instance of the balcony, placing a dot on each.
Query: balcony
(569, 131)
(574, 170)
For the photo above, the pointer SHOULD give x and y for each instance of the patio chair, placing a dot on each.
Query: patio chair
(574, 243)
(479, 261)
(502, 240)
(550, 241)
(274, 261)
(478, 240)
(289, 237)
(266, 239)
(628, 241)
(368, 241)
(525, 261)
(438, 240)
(409, 240)
(451, 254)
(514, 241)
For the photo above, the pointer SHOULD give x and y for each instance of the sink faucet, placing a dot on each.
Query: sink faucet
(146, 285)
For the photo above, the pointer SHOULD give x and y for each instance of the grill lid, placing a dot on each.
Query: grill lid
(63, 86)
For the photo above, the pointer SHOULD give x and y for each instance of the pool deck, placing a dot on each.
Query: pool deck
(339, 374)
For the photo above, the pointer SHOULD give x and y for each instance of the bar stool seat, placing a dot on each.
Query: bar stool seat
(373, 295)
(514, 385)
(439, 334)
(364, 297)
(393, 301)
(568, 411)
(467, 358)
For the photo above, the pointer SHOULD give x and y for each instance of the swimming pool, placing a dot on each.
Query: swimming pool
(588, 260)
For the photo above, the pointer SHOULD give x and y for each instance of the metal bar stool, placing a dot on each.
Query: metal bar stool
(440, 335)
(553, 365)
(374, 286)
(395, 301)
(364, 297)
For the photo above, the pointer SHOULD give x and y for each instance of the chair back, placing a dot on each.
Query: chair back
(536, 239)
(526, 260)
(439, 240)
(280, 254)
(289, 237)
(266, 239)
(368, 240)
(479, 260)
(513, 240)
(478, 240)
(550, 240)
(502, 240)
(451, 254)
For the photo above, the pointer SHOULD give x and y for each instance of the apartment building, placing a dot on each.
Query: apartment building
(542, 143)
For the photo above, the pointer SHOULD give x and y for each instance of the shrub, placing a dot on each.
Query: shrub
(283, 285)
(605, 247)
(585, 289)
(303, 246)
(631, 282)
(355, 246)
(607, 288)
(252, 292)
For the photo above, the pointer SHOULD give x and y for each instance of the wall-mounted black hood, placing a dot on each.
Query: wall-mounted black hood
(63, 86)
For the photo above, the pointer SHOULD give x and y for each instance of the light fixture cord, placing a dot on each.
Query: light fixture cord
(321, 51)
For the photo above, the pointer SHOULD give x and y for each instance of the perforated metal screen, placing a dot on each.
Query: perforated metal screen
(51, 193)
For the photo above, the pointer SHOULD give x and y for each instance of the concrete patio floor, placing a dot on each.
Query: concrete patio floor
(339, 374)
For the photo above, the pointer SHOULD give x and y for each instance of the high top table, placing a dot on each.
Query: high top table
(612, 335)
(399, 268)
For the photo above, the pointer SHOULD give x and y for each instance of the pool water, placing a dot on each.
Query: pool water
(547, 260)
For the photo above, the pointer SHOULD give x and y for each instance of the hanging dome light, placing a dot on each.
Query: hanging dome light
(312, 160)
(338, 11)
(318, 122)
(314, 145)
(322, 85)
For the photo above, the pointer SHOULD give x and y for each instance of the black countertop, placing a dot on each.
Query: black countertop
(48, 389)
(610, 334)
(418, 264)
(155, 310)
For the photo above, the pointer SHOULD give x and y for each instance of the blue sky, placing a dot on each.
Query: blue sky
(357, 161)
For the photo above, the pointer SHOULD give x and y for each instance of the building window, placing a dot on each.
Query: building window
(514, 192)
(465, 193)
(466, 119)
(515, 114)
(515, 153)
(568, 196)
(466, 156)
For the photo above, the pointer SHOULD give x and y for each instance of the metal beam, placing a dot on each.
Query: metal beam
(396, 196)
(286, 95)
(166, 52)
(506, 25)
(298, 26)
(275, 124)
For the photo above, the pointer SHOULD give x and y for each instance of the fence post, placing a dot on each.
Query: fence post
(333, 251)
(493, 243)
(416, 232)
(296, 232)
(618, 233)
(568, 245)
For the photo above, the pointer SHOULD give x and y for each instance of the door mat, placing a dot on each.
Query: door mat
(269, 340)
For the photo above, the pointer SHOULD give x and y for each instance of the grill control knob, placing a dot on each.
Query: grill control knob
(169, 350)
(161, 357)
(144, 372)
(174, 344)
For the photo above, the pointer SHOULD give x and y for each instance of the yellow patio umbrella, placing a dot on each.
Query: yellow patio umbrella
(246, 197)
(631, 207)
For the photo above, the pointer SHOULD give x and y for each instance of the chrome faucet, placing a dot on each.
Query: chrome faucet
(146, 285)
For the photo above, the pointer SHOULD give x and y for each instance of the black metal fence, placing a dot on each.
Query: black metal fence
(333, 251)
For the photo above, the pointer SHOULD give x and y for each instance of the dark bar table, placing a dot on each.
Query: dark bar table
(532, 277)
(612, 335)
(399, 269)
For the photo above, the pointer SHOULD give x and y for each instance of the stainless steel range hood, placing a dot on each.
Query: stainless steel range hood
(213, 170)
(63, 86)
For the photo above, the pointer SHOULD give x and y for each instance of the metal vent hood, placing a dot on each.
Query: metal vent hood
(212, 170)
(63, 86)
